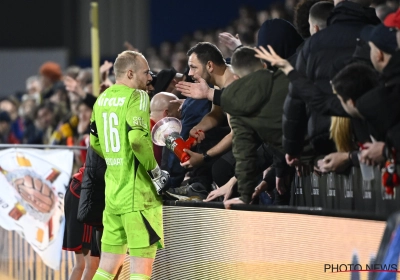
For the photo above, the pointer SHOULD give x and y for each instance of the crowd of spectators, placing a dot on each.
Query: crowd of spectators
(332, 85)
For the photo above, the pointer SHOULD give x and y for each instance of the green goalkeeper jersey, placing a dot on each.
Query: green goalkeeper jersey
(120, 133)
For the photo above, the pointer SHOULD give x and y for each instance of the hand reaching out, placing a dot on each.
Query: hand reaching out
(230, 41)
(225, 191)
(72, 85)
(105, 69)
(198, 90)
(128, 46)
(274, 59)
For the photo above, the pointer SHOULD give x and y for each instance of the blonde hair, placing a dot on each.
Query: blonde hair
(340, 132)
(124, 61)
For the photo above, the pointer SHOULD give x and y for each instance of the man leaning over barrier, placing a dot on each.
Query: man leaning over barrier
(260, 121)
(120, 133)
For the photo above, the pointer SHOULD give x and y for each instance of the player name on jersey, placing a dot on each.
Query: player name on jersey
(113, 161)
(112, 102)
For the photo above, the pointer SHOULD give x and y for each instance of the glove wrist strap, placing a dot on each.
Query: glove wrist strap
(155, 173)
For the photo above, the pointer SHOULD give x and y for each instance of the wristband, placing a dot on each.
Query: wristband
(155, 173)
(206, 157)
(238, 47)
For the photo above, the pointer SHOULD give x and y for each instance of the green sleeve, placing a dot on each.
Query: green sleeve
(138, 120)
(94, 138)
(245, 145)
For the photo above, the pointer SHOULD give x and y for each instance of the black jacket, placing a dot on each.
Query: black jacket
(380, 107)
(255, 104)
(361, 131)
(92, 200)
(323, 55)
(393, 141)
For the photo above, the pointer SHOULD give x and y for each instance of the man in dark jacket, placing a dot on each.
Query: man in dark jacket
(254, 103)
(92, 198)
(92, 201)
(208, 66)
(322, 56)
(379, 107)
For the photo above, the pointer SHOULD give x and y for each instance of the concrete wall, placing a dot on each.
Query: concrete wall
(19, 64)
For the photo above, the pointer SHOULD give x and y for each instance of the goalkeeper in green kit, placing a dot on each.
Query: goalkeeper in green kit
(120, 133)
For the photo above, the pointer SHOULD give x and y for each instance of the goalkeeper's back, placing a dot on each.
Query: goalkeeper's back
(120, 120)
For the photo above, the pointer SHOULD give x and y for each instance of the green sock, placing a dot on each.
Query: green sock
(134, 276)
(102, 274)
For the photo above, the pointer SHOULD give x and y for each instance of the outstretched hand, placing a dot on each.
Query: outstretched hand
(72, 85)
(129, 47)
(105, 69)
(274, 59)
(225, 191)
(199, 90)
(230, 41)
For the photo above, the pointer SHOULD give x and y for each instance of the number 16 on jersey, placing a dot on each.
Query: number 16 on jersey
(111, 134)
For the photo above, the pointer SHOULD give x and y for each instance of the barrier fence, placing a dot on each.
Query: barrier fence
(19, 261)
(214, 243)
(345, 192)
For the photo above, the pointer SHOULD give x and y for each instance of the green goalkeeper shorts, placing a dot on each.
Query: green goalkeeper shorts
(135, 230)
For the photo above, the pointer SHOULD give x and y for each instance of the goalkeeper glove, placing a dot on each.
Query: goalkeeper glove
(159, 178)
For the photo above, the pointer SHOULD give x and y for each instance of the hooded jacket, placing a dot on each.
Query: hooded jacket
(255, 105)
(324, 54)
(271, 32)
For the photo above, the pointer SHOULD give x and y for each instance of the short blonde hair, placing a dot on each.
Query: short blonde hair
(125, 61)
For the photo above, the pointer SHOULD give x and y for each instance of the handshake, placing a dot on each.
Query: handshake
(159, 178)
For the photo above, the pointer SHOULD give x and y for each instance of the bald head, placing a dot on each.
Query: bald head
(161, 101)
(125, 61)
(161, 107)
